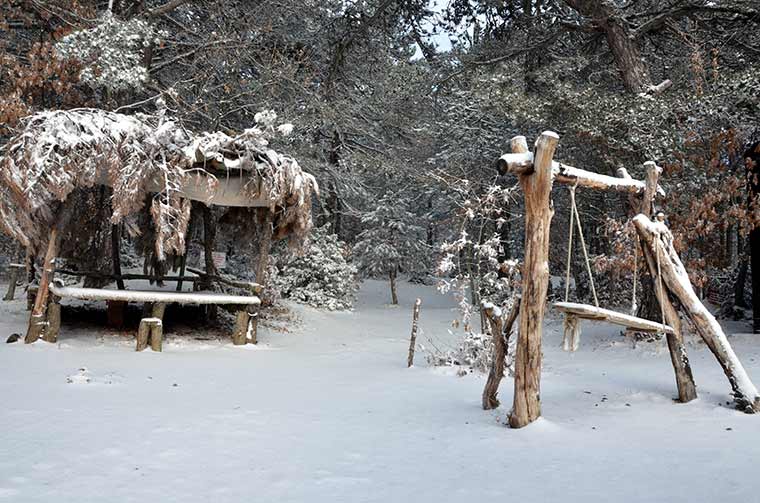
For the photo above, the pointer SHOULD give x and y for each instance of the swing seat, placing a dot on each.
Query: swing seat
(589, 312)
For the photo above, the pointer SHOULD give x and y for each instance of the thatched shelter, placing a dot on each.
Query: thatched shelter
(144, 173)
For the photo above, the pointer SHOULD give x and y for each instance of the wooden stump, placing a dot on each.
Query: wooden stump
(156, 335)
(150, 331)
(537, 187)
(243, 328)
(158, 310)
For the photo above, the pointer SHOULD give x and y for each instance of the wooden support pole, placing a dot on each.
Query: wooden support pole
(209, 236)
(156, 335)
(15, 270)
(54, 320)
(537, 188)
(658, 239)
(116, 255)
(501, 331)
(242, 328)
(265, 247)
(687, 389)
(37, 318)
(415, 327)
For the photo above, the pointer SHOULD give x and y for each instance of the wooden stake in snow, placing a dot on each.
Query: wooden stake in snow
(500, 332)
(150, 330)
(415, 326)
(659, 241)
(537, 187)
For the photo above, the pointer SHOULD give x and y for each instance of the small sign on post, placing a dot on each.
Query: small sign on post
(220, 259)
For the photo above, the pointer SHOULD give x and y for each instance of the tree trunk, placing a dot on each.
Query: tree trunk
(537, 188)
(392, 276)
(660, 243)
(625, 50)
(741, 276)
(500, 332)
(265, 247)
(752, 160)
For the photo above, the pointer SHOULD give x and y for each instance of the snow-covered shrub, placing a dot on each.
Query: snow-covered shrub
(111, 52)
(321, 276)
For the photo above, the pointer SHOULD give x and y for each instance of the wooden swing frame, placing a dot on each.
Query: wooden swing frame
(536, 172)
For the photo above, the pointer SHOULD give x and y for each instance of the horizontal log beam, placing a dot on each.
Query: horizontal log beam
(522, 164)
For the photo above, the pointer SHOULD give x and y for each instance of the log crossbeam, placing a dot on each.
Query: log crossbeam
(521, 163)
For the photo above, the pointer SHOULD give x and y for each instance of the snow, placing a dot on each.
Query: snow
(151, 296)
(328, 412)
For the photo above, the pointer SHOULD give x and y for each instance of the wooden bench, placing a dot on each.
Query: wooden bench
(247, 305)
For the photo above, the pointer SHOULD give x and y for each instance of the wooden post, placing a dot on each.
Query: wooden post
(156, 335)
(209, 235)
(242, 328)
(54, 320)
(37, 318)
(572, 333)
(158, 310)
(500, 332)
(687, 389)
(659, 241)
(537, 188)
(116, 256)
(415, 327)
(12, 281)
(265, 246)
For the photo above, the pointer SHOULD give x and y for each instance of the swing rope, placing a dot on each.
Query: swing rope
(575, 216)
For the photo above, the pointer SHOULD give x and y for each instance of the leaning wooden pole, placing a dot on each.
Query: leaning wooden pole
(687, 390)
(659, 241)
(537, 187)
(37, 318)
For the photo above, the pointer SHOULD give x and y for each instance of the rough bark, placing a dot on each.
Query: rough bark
(15, 270)
(538, 215)
(659, 241)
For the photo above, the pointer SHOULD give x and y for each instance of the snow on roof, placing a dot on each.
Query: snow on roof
(57, 152)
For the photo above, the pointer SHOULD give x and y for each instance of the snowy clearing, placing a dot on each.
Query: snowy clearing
(329, 412)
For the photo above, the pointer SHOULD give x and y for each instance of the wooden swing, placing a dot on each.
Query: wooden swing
(574, 312)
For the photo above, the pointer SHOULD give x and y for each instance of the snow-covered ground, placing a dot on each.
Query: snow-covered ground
(329, 412)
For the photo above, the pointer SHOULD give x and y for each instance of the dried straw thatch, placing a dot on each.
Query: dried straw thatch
(58, 152)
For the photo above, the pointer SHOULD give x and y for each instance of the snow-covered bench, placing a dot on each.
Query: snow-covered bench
(247, 305)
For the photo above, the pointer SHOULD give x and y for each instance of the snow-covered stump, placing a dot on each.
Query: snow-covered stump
(156, 334)
(149, 332)
(659, 241)
(415, 328)
(537, 186)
